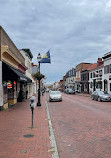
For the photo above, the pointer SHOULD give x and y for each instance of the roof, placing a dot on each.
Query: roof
(107, 55)
(92, 66)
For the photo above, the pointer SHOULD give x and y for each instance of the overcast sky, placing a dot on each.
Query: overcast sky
(75, 31)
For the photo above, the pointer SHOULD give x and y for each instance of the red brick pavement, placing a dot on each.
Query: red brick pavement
(82, 127)
(83, 94)
(15, 123)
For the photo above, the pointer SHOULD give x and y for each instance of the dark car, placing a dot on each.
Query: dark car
(100, 96)
(69, 91)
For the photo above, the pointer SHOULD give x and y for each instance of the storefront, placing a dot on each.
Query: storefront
(14, 85)
(1, 88)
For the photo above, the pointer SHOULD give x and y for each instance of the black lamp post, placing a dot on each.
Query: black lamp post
(39, 58)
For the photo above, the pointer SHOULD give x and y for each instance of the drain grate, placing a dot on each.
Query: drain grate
(28, 135)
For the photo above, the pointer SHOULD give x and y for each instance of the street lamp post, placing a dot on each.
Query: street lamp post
(39, 58)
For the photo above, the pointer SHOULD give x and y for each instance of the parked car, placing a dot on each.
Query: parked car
(100, 96)
(69, 91)
(55, 96)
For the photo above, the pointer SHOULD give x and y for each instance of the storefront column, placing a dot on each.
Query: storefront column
(1, 87)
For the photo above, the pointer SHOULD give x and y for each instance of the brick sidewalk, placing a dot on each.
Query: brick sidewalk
(15, 123)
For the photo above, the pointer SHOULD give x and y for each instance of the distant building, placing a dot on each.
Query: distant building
(64, 81)
(70, 79)
(61, 85)
(30, 87)
(79, 68)
(56, 86)
(96, 72)
(84, 81)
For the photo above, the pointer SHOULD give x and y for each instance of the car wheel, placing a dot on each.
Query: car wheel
(99, 99)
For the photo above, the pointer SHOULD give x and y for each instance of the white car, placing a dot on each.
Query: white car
(55, 96)
(47, 90)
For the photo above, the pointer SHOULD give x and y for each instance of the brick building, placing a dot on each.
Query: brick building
(79, 68)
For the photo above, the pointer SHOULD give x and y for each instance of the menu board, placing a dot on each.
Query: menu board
(5, 96)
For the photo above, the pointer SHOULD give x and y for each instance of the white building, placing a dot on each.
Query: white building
(96, 73)
(31, 87)
(55, 85)
(70, 79)
(107, 72)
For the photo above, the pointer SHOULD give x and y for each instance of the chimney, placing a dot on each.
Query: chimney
(99, 62)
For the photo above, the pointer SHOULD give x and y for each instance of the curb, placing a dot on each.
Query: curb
(54, 149)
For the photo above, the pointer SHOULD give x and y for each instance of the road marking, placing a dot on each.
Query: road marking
(54, 149)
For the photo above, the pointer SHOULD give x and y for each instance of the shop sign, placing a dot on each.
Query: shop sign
(24, 79)
(14, 83)
(9, 85)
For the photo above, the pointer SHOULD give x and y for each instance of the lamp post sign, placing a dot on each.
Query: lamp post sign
(45, 59)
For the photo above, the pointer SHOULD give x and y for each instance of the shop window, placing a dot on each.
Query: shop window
(110, 86)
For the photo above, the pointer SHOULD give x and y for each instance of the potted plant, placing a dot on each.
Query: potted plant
(38, 76)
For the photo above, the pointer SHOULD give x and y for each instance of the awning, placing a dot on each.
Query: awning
(10, 73)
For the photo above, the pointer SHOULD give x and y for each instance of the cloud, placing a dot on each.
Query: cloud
(74, 31)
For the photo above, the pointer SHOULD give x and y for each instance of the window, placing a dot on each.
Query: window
(100, 72)
(97, 85)
(79, 74)
(91, 85)
(96, 73)
(110, 68)
(91, 75)
(107, 69)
